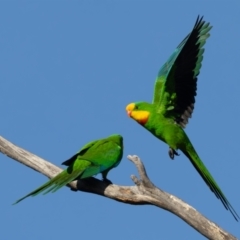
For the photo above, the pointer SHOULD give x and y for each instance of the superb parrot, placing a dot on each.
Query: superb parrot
(173, 103)
(98, 156)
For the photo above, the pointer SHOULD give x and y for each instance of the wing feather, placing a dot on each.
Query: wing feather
(176, 83)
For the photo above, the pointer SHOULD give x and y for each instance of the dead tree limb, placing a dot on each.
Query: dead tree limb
(144, 191)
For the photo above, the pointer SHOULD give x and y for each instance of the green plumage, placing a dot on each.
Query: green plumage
(173, 102)
(98, 156)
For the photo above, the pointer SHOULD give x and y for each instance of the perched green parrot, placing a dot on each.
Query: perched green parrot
(98, 156)
(173, 103)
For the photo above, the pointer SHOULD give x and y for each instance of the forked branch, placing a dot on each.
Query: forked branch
(144, 191)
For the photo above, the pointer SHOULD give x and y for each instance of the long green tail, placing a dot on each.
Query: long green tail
(54, 184)
(207, 177)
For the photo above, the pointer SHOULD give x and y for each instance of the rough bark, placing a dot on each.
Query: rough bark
(144, 191)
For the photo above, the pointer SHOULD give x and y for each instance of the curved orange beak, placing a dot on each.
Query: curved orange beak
(130, 108)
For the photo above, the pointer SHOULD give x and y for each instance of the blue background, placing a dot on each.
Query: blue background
(69, 68)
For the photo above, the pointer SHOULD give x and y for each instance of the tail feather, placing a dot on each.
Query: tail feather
(63, 181)
(209, 180)
(53, 184)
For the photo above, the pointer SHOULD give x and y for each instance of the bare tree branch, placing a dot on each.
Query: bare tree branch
(143, 193)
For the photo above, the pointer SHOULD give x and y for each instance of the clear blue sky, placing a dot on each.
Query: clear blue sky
(69, 68)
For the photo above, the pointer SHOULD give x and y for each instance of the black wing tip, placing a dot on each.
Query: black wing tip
(70, 160)
(200, 22)
(65, 163)
(199, 18)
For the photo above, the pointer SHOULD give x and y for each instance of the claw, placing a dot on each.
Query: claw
(107, 181)
(172, 152)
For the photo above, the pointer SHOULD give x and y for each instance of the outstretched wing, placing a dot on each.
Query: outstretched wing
(176, 83)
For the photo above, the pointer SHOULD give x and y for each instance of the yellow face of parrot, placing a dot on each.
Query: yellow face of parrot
(137, 114)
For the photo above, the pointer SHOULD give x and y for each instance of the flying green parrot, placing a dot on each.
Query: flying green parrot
(173, 103)
(98, 156)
